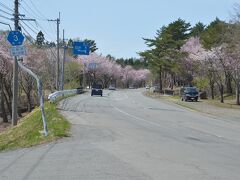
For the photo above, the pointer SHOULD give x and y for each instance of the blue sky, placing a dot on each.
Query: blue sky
(118, 26)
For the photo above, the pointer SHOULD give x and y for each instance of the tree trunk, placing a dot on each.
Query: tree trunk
(228, 83)
(160, 78)
(8, 102)
(8, 96)
(221, 90)
(29, 104)
(171, 83)
(237, 92)
(4, 115)
(212, 90)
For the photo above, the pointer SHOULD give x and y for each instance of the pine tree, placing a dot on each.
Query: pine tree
(40, 39)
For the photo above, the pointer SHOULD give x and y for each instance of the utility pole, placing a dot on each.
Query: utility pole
(58, 54)
(15, 70)
(63, 61)
(237, 86)
(15, 64)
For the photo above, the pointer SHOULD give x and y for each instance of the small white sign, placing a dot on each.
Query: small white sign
(18, 51)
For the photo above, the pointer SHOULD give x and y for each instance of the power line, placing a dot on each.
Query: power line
(45, 32)
(29, 27)
(31, 41)
(52, 27)
(37, 9)
(6, 7)
(5, 17)
(32, 13)
(33, 29)
(28, 34)
(6, 25)
(35, 15)
(6, 12)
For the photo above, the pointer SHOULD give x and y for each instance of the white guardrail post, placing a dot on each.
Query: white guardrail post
(40, 94)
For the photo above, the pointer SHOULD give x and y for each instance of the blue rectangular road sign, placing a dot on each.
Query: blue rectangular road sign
(80, 48)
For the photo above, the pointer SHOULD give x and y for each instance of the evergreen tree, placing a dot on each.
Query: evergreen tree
(92, 44)
(165, 48)
(197, 29)
(214, 33)
(40, 39)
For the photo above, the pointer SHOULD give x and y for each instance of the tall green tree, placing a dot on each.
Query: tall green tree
(40, 39)
(214, 33)
(197, 30)
(165, 48)
(92, 44)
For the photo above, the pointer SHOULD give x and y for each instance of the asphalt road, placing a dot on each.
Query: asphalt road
(127, 136)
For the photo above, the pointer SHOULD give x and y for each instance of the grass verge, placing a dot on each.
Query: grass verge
(28, 132)
(229, 104)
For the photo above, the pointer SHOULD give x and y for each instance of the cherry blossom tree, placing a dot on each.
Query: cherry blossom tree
(106, 71)
(35, 60)
(5, 77)
(214, 62)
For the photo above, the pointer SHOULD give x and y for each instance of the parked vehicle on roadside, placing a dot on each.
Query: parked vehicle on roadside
(112, 87)
(97, 90)
(80, 90)
(131, 87)
(189, 93)
(156, 89)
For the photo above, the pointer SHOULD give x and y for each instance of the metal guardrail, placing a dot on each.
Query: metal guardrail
(53, 96)
(40, 95)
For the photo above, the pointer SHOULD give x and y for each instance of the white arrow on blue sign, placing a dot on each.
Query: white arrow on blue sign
(80, 48)
(15, 38)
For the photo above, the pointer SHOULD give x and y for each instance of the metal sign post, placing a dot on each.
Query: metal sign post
(15, 38)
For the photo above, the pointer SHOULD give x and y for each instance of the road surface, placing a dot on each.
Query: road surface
(127, 136)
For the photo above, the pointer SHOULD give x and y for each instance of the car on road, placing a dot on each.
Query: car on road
(189, 93)
(112, 87)
(80, 90)
(147, 87)
(132, 86)
(97, 90)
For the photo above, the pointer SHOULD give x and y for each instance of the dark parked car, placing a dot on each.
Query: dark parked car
(189, 93)
(80, 90)
(156, 89)
(132, 86)
(97, 90)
